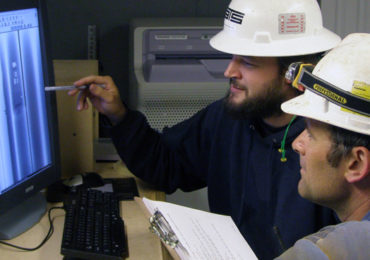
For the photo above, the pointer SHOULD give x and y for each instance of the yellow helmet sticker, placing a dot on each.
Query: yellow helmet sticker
(360, 89)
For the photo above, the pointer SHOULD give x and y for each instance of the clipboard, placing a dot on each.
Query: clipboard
(155, 224)
(192, 234)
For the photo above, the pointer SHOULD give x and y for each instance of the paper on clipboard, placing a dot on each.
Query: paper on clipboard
(200, 234)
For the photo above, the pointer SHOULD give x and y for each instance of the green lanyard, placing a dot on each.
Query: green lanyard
(282, 147)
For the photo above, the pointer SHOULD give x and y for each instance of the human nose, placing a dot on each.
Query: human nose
(298, 143)
(232, 70)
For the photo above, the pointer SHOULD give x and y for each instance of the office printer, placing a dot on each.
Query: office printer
(174, 72)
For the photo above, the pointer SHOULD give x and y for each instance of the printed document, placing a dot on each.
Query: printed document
(202, 235)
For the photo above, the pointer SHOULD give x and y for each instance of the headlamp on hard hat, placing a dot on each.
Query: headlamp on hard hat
(301, 77)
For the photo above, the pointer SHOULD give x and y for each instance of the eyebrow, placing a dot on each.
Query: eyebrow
(250, 58)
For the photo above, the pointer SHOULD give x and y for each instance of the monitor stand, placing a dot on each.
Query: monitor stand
(22, 217)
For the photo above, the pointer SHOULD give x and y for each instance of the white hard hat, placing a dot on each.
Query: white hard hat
(338, 90)
(272, 28)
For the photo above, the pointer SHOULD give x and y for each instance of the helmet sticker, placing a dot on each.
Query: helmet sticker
(234, 16)
(360, 89)
(292, 23)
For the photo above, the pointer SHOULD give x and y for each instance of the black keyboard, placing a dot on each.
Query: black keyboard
(93, 228)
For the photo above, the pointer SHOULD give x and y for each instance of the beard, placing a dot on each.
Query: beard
(264, 105)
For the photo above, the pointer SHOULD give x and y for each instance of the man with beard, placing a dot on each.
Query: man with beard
(238, 147)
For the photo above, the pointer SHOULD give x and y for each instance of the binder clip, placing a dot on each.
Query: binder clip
(160, 226)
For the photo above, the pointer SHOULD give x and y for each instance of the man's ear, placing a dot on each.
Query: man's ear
(357, 164)
(288, 84)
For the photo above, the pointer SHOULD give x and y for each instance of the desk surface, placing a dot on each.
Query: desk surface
(142, 243)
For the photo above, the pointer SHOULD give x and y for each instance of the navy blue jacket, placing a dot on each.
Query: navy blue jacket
(243, 171)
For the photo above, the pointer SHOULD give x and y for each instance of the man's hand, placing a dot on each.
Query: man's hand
(105, 99)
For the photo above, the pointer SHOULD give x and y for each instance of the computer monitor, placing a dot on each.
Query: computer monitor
(29, 159)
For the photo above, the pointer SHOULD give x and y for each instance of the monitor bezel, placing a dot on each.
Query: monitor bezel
(22, 191)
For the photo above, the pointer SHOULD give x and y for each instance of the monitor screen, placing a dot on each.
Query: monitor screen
(29, 159)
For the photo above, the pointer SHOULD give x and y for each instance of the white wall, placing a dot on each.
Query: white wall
(346, 16)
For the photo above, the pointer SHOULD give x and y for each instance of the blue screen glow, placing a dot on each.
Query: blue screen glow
(24, 135)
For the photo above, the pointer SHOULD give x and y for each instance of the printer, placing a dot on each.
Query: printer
(174, 72)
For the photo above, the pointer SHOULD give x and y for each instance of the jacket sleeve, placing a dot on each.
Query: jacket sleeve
(168, 160)
(303, 250)
(349, 240)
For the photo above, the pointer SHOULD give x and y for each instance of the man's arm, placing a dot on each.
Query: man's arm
(349, 240)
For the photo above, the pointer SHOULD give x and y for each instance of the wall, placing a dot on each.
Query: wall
(344, 17)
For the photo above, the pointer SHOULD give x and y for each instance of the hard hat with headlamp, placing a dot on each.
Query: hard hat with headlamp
(273, 28)
(337, 92)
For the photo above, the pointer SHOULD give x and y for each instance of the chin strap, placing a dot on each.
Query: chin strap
(282, 147)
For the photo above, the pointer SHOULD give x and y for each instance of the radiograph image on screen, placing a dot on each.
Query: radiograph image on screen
(24, 135)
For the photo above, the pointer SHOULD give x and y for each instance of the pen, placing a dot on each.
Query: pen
(59, 88)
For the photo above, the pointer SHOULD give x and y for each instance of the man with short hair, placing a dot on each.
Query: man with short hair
(239, 146)
(334, 149)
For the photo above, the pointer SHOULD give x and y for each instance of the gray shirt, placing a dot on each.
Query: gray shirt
(348, 240)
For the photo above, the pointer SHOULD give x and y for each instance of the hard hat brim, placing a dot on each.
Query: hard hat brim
(226, 41)
(303, 106)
